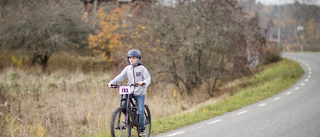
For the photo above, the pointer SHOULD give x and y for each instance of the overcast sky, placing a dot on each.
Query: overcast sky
(268, 2)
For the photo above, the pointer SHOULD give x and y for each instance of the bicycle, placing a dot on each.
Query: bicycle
(125, 118)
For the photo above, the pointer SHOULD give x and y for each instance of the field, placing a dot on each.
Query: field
(80, 104)
(71, 104)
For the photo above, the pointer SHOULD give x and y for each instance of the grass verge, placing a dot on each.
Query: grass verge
(274, 79)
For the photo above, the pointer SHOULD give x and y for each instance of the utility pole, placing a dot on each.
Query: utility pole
(279, 25)
(95, 6)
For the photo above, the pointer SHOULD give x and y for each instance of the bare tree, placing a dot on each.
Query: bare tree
(41, 27)
(198, 40)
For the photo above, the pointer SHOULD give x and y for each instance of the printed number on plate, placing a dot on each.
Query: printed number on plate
(125, 90)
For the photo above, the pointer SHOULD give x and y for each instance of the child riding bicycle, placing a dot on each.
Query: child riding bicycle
(136, 73)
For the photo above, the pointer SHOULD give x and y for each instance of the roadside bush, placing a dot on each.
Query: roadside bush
(271, 53)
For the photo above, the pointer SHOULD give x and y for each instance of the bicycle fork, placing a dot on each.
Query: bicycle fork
(126, 114)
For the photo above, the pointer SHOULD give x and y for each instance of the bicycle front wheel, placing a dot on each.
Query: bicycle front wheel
(119, 128)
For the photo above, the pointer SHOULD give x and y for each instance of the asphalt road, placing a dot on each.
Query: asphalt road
(292, 113)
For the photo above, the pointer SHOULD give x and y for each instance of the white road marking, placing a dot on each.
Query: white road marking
(307, 80)
(310, 72)
(309, 76)
(177, 133)
(277, 98)
(296, 88)
(263, 104)
(242, 112)
(288, 93)
(302, 84)
(216, 121)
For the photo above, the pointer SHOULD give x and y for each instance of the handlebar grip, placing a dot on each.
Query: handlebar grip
(114, 85)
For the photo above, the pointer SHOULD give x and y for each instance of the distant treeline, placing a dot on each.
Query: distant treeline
(304, 15)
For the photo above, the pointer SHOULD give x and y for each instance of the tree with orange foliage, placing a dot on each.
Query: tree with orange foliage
(118, 32)
(108, 40)
(312, 30)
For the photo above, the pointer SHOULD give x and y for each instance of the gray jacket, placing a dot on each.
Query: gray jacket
(134, 74)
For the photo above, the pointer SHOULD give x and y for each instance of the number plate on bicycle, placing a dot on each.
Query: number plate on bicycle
(125, 90)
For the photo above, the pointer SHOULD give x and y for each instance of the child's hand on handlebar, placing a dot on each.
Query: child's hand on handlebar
(109, 85)
(140, 83)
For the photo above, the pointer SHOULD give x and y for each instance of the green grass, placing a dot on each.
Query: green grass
(275, 78)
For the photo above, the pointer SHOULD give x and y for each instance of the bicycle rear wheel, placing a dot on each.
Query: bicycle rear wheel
(119, 128)
(147, 115)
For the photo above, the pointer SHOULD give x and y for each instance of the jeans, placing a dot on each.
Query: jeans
(140, 107)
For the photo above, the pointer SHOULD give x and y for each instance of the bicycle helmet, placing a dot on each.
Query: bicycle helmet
(134, 53)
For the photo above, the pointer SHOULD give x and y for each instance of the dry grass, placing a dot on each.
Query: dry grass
(61, 104)
(72, 104)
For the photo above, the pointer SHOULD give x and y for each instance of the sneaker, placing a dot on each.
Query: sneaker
(142, 132)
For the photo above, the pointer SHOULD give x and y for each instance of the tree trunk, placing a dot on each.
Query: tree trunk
(41, 58)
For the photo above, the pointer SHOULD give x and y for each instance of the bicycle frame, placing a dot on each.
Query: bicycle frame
(129, 105)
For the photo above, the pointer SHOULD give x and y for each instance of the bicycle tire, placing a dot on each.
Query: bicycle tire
(120, 130)
(147, 115)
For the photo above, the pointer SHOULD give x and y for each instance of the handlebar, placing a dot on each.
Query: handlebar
(134, 85)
